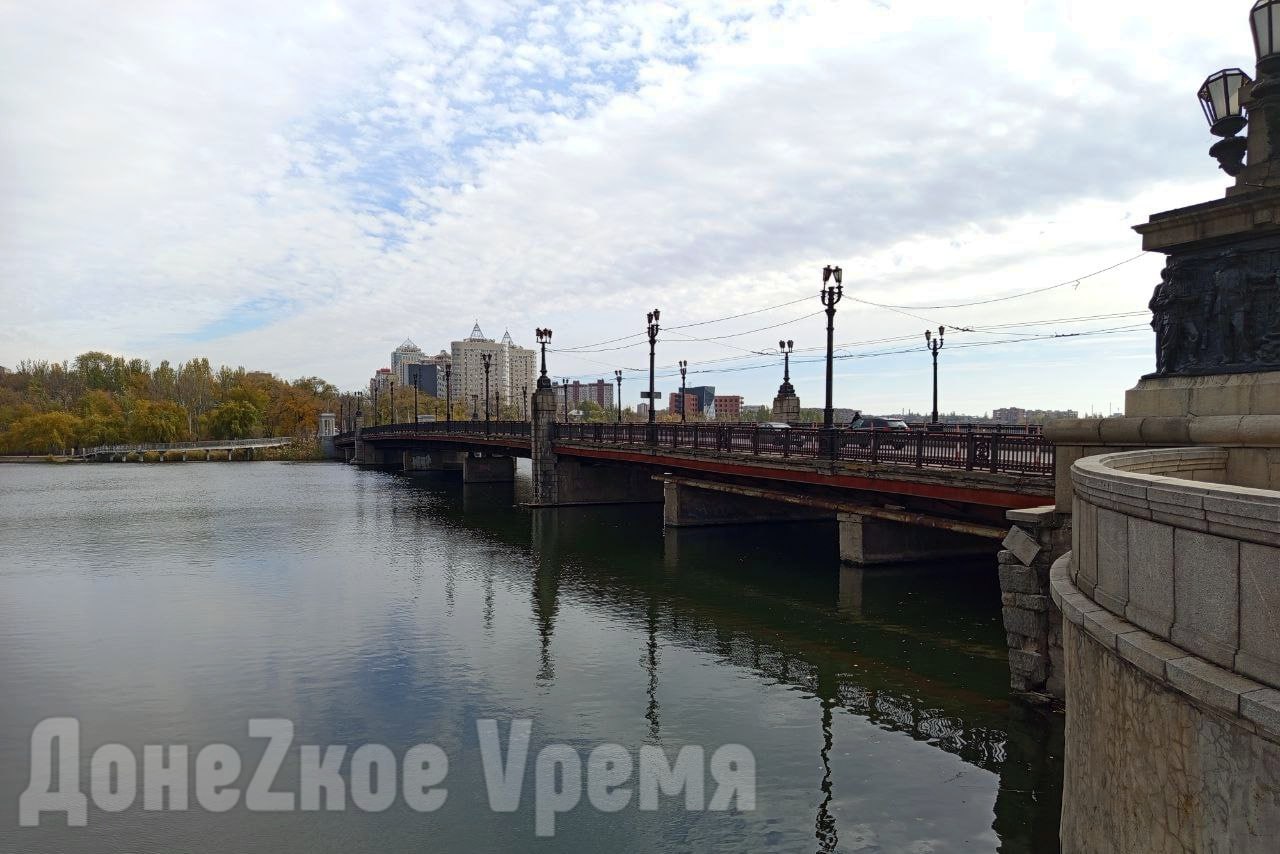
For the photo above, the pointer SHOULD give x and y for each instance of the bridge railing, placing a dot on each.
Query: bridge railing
(503, 429)
(134, 447)
(1027, 453)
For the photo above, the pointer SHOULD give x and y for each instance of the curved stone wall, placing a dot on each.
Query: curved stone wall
(1171, 606)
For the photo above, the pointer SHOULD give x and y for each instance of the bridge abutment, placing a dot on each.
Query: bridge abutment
(867, 541)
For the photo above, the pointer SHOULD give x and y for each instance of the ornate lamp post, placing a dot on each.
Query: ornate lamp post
(1220, 97)
(786, 348)
(524, 402)
(377, 416)
(415, 401)
(487, 359)
(652, 331)
(617, 377)
(684, 368)
(448, 392)
(544, 338)
(830, 295)
(934, 345)
(564, 387)
(393, 401)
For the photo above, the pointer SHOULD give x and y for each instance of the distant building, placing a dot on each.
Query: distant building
(725, 407)
(642, 411)
(511, 368)
(380, 383)
(599, 392)
(690, 403)
(1018, 415)
(402, 357)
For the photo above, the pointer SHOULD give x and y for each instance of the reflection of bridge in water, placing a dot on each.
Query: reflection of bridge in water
(121, 453)
(851, 644)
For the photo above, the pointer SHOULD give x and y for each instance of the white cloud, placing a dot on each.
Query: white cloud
(401, 169)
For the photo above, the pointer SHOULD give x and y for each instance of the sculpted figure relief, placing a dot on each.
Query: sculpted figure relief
(1218, 313)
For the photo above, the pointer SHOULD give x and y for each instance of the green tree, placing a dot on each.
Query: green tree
(162, 421)
(43, 433)
(235, 419)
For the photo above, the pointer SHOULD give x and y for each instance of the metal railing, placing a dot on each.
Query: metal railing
(971, 450)
(501, 429)
(212, 445)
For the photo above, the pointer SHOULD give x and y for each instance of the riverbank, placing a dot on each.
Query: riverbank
(302, 450)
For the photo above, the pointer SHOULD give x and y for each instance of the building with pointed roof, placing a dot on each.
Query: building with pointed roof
(511, 371)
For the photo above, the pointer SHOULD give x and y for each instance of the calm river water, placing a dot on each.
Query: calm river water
(169, 604)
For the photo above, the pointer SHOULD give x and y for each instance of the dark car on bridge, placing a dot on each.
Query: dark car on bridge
(893, 432)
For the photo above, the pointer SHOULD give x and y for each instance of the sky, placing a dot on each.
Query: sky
(300, 186)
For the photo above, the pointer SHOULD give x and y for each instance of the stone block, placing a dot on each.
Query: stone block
(1112, 591)
(1206, 589)
(1259, 654)
(1005, 558)
(1085, 548)
(1220, 400)
(1150, 600)
(1144, 400)
(1031, 603)
(1148, 654)
(1105, 627)
(1263, 708)
(1248, 467)
(1022, 544)
(1215, 687)
(1029, 668)
(1020, 621)
(1019, 579)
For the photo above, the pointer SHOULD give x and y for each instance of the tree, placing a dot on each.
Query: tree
(235, 419)
(160, 422)
(43, 433)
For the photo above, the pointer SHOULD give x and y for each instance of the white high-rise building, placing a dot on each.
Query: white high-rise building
(511, 370)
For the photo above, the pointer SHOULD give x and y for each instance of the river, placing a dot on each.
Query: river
(169, 604)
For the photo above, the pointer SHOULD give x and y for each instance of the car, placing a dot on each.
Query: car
(774, 433)
(866, 427)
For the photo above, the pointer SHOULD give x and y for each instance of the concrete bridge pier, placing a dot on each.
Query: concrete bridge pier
(850, 596)
(685, 506)
(477, 468)
(867, 541)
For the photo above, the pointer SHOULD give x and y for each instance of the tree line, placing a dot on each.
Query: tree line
(101, 399)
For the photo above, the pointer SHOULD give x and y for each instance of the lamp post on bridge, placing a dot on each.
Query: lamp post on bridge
(415, 401)
(524, 402)
(486, 358)
(448, 393)
(393, 401)
(934, 345)
(564, 387)
(544, 338)
(377, 415)
(617, 377)
(684, 367)
(830, 295)
(652, 331)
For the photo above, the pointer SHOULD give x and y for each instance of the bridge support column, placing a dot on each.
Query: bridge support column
(866, 541)
(685, 506)
(542, 408)
(478, 469)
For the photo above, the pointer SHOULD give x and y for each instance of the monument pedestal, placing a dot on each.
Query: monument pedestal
(786, 408)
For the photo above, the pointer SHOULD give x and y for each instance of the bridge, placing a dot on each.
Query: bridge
(897, 495)
(122, 453)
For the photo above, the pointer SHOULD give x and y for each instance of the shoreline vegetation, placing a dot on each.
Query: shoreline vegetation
(47, 409)
(302, 450)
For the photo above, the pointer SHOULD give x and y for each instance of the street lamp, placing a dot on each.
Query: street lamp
(684, 367)
(393, 401)
(1265, 22)
(524, 401)
(1220, 98)
(564, 387)
(359, 416)
(617, 377)
(934, 345)
(786, 348)
(830, 295)
(377, 416)
(487, 358)
(475, 407)
(415, 400)
(448, 392)
(544, 338)
(652, 330)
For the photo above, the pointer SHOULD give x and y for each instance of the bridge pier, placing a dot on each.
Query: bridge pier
(685, 506)
(866, 541)
(488, 469)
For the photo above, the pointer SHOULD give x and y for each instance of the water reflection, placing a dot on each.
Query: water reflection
(376, 607)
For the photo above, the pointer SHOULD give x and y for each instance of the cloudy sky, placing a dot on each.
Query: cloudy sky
(299, 186)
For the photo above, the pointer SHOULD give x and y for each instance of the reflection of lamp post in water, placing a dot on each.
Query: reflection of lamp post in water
(825, 824)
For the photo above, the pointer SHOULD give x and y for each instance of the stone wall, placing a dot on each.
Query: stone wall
(1032, 623)
(1172, 654)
